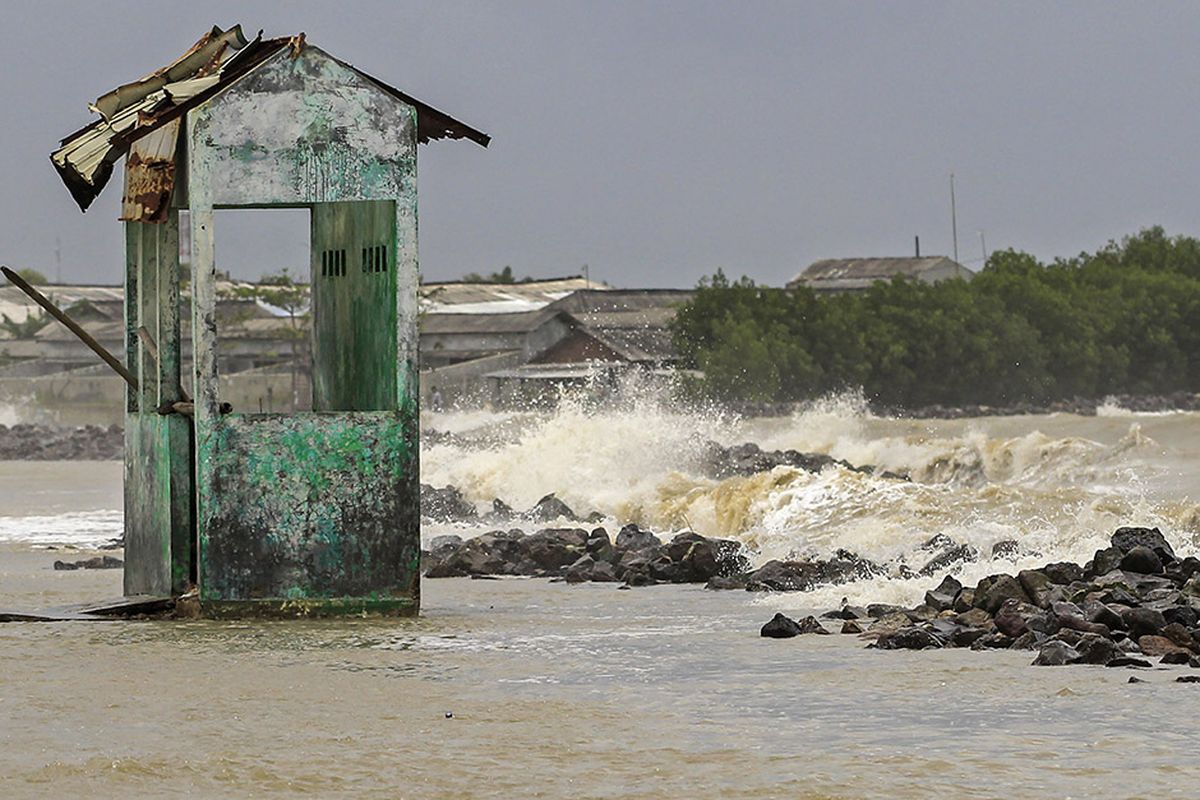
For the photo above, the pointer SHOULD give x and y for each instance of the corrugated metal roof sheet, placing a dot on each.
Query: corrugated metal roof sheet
(460, 297)
(85, 158)
(863, 268)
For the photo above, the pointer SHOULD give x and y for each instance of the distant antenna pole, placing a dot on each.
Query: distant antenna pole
(587, 278)
(58, 259)
(953, 217)
(983, 247)
(917, 243)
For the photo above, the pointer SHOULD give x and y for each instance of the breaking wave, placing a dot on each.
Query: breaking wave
(1059, 489)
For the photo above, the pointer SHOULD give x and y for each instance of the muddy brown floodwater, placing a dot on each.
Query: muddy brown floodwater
(525, 688)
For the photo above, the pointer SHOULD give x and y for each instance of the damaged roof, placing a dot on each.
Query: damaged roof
(85, 159)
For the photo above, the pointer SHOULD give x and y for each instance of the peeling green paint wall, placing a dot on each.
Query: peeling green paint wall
(312, 506)
(159, 542)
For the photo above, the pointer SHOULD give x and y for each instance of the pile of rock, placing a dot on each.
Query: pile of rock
(46, 443)
(1134, 600)
(448, 504)
(98, 562)
(637, 557)
(749, 459)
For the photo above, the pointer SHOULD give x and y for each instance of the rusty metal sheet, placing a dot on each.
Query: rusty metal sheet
(150, 175)
(85, 158)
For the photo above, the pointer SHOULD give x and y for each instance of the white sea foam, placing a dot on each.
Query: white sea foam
(83, 529)
(1057, 491)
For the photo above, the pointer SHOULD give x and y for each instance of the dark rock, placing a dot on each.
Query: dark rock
(1181, 571)
(1143, 622)
(910, 638)
(631, 537)
(1055, 653)
(1006, 548)
(879, 610)
(1063, 573)
(1176, 657)
(850, 626)
(846, 612)
(442, 543)
(780, 627)
(1104, 561)
(65, 565)
(445, 505)
(550, 508)
(664, 570)
(501, 509)
(598, 545)
(784, 576)
(699, 558)
(1096, 649)
(975, 618)
(942, 597)
(959, 554)
(965, 600)
(604, 572)
(1012, 616)
(1188, 679)
(1179, 634)
(993, 640)
(1158, 646)
(890, 623)
(1125, 539)
(1127, 661)
(1187, 616)
(991, 592)
(1135, 679)
(966, 637)
(811, 624)
(1102, 614)
(921, 613)
(1142, 560)
(1029, 640)
(554, 549)
(581, 570)
(1037, 586)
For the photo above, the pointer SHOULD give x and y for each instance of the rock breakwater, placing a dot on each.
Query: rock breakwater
(1133, 601)
(47, 443)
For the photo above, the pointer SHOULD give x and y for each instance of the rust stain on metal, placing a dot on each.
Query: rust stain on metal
(150, 176)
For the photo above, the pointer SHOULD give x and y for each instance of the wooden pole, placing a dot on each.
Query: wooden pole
(72, 326)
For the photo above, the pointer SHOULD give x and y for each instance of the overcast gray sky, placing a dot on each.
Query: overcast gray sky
(659, 141)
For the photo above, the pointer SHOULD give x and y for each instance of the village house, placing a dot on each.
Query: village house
(856, 274)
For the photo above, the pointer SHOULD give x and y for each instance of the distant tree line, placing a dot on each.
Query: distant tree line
(1125, 319)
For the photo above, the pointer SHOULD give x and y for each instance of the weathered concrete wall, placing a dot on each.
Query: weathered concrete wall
(314, 512)
(312, 507)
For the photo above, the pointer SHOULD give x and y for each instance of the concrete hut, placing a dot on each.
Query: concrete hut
(307, 513)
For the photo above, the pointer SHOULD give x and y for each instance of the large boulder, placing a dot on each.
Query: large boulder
(942, 597)
(992, 591)
(784, 576)
(554, 549)
(550, 508)
(910, 638)
(1037, 586)
(1142, 560)
(1096, 649)
(1143, 621)
(446, 504)
(1125, 539)
(631, 537)
(780, 627)
(1056, 653)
